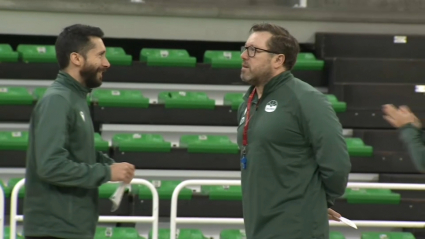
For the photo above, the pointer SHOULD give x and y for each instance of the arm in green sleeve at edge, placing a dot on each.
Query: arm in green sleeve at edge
(52, 120)
(325, 134)
(103, 158)
(414, 139)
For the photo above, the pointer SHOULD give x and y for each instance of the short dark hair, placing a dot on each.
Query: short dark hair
(281, 42)
(75, 38)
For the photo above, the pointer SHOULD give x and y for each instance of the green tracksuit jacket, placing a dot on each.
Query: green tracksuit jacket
(414, 139)
(63, 170)
(297, 161)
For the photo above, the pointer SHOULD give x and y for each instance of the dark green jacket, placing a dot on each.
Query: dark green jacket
(63, 170)
(297, 161)
(414, 138)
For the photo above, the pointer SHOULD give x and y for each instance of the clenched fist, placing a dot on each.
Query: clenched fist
(122, 172)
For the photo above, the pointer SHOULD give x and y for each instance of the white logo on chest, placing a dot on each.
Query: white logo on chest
(82, 116)
(271, 106)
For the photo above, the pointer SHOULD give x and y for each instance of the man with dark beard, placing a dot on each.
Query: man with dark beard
(63, 170)
(294, 158)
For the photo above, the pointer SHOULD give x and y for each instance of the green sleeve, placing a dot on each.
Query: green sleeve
(103, 158)
(413, 138)
(51, 126)
(325, 134)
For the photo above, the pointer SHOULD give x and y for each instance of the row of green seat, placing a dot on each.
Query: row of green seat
(164, 233)
(105, 191)
(135, 98)
(129, 142)
(166, 188)
(152, 56)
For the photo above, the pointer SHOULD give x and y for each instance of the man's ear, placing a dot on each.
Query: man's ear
(280, 60)
(76, 59)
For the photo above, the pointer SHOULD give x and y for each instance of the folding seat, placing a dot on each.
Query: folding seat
(117, 233)
(117, 56)
(308, 62)
(7, 54)
(223, 59)
(208, 144)
(371, 196)
(167, 57)
(387, 235)
(222, 192)
(181, 234)
(233, 99)
(15, 96)
(186, 100)
(37, 53)
(140, 143)
(336, 235)
(119, 98)
(232, 234)
(165, 190)
(13, 147)
(357, 148)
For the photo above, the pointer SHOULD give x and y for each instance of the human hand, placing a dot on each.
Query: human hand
(122, 172)
(400, 117)
(332, 215)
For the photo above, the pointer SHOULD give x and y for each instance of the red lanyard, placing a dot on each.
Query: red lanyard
(248, 109)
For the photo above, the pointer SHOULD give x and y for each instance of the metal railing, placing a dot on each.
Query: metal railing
(14, 218)
(239, 221)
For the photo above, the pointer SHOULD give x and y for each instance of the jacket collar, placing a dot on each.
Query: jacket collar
(273, 84)
(69, 82)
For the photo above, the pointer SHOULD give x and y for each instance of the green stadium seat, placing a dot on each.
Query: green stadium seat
(11, 184)
(119, 98)
(39, 92)
(37, 53)
(100, 143)
(167, 57)
(336, 235)
(357, 148)
(186, 100)
(234, 100)
(223, 59)
(162, 234)
(7, 54)
(232, 234)
(208, 144)
(117, 56)
(13, 140)
(387, 235)
(15, 96)
(371, 196)
(307, 61)
(6, 233)
(6, 190)
(141, 143)
(182, 234)
(117, 233)
(223, 192)
(338, 106)
(165, 190)
(190, 234)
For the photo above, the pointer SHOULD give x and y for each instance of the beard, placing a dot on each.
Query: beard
(89, 74)
(256, 78)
